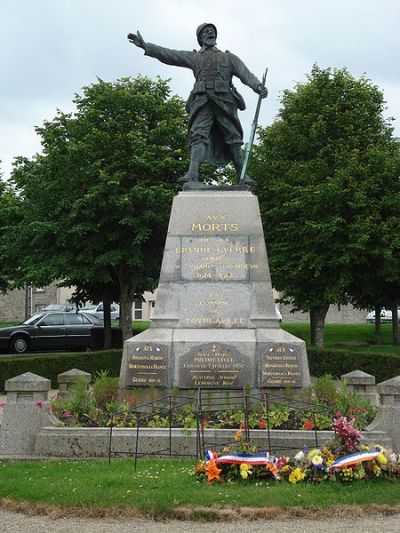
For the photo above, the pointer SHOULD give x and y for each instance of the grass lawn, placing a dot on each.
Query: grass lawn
(8, 324)
(350, 334)
(160, 486)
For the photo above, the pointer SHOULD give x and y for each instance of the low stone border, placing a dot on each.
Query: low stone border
(94, 442)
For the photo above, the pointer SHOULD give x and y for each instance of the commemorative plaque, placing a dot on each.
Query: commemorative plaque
(280, 366)
(148, 365)
(214, 365)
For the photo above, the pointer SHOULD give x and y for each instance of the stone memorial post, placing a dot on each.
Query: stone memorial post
(68, 379)
(388, 412)
(362, 384)
(24, 414)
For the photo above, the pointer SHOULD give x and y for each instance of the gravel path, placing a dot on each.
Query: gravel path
(15, 522)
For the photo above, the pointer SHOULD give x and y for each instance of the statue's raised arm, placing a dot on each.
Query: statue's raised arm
(136, 39)
(215, 132)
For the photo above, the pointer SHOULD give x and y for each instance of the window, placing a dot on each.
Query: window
(74, 319)
(137, 310)
(52, 320)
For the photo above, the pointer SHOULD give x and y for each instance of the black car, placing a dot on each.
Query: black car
(49, 330)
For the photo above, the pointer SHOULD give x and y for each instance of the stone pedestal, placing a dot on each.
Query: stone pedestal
(388, 413)
(362, 384)
(25, 412)
(67, 380)
(215, 323)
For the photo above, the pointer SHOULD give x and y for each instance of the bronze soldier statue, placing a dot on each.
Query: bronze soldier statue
(215, 132)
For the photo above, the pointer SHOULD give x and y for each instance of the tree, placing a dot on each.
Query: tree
(8, 205)
(96, 203)
(322, 169)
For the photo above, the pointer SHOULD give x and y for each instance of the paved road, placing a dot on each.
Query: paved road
(18, 523)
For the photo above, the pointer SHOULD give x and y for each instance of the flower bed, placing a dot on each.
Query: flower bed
(313, 410)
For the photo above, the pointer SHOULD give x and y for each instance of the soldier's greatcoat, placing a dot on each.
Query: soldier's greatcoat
(214, 101)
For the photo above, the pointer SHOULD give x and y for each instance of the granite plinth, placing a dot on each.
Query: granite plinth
(215, 323)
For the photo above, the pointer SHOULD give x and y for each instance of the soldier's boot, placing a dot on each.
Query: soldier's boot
(197, 154)
(237, 159)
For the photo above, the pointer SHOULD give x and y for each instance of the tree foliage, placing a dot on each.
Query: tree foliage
(326, 171)
(8, 218)
(96, 202)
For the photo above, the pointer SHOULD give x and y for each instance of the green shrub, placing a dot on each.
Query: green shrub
(77, 407)
(50, 365)
(105, 388)
(338, 362)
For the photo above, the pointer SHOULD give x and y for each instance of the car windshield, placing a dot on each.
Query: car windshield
(88, 307)
(33, 319)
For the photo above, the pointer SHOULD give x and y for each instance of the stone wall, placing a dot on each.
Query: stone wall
(343, 314)
(94, 442)
(13, 304)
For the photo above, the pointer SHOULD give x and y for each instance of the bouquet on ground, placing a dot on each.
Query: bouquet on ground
(344, 458)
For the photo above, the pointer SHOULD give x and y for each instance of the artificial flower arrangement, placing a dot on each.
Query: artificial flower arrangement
(344, 458)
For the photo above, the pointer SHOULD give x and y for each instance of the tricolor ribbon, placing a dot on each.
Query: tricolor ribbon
(352, 459)
(254, 459)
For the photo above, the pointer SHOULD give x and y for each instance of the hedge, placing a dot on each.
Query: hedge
(338, 362)
(50, 365)
(321, 361)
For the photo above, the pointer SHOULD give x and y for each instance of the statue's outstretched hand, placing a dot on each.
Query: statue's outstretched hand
(262, 91)
(136, 39)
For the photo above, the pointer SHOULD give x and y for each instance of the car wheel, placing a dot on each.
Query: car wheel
(19, 344)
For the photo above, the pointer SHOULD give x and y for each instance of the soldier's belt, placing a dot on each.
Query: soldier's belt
(219, 86)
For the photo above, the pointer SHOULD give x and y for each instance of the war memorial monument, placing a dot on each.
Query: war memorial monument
(215, 323)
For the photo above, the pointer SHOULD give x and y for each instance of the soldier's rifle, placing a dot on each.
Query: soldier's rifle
(253, 130)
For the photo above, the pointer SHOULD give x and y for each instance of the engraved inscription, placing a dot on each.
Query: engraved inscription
(148, 365)
(216, 258)
(214, 365)
(280, 366)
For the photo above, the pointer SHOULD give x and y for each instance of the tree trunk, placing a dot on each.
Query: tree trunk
(317, 324)
(395, 323)
(107, 301)
(377, 334)
(127, 295)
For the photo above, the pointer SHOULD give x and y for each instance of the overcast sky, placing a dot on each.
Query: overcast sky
(49, 49)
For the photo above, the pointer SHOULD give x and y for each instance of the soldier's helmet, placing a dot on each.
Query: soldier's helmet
(201, 28)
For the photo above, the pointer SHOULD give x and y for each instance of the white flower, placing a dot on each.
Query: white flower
(299, 457)
(317, 460)
(393, 458)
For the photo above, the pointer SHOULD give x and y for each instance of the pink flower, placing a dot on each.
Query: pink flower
(39, 404)
(347, 433)
(2, 404)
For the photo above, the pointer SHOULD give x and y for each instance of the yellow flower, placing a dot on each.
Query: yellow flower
(382, 459)
(296, 475)
(376, 470)
(199, 467)
(312, 453)
(238, 435)
(245, 470)
(359, 472)
(328, 456)
(364, 448)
